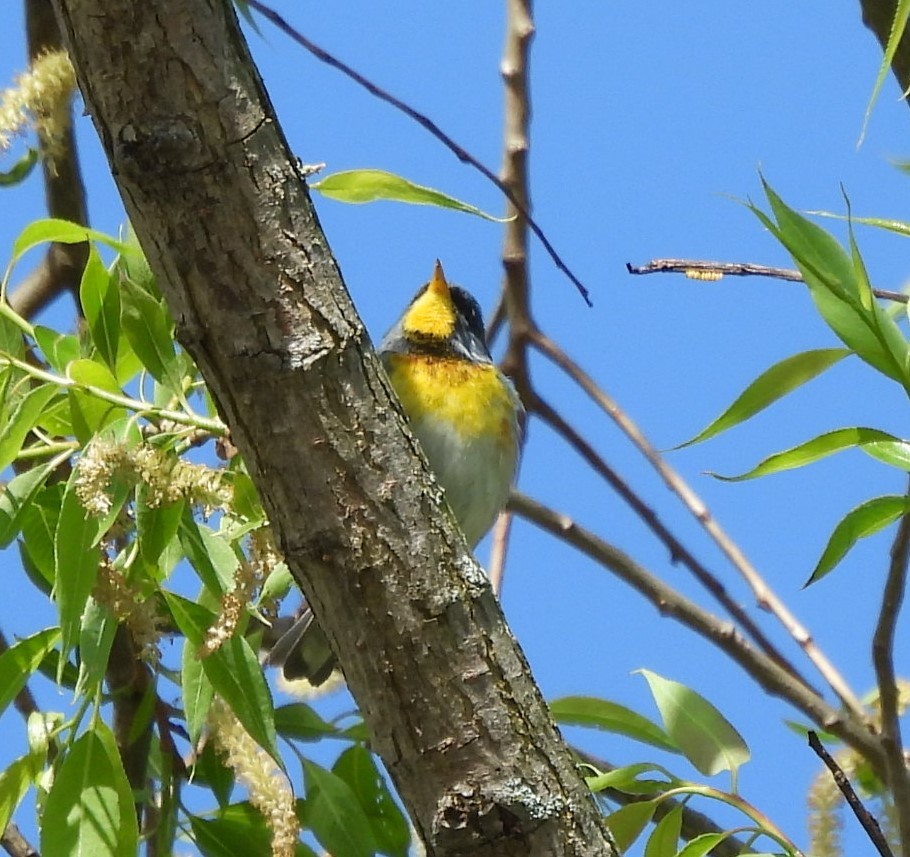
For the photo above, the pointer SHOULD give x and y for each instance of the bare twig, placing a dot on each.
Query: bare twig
(669, 602)
(462, 154)
(865, 818)
(678, 551)
(700, 269)
(15, 844)
(766, 598)
(883, 660)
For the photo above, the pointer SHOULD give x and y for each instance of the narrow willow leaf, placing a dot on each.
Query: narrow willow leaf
(235, 674)
(703, 734)
(21, 170)
(16, 497)
(901, 12)
(359, 186)
(90, 413)
(627, 779)
(238, 829)
(298, 720)
(896, 453)
(702, 845)
(333, 813)
(156, 524)
(22, 420)
(865, 520)
(197, 691)
(59, 349)
(149, 331)
(85, 812)
(901, 227)
(210, 555)
(99, 295)
(664, 838)
(61, 231)
(390, 828)
(627, 823)
(771, 385)
(128, 833)
(813, 450)
(611, 717)
(21, 659)
(15, 780)
(76, 559)
(96, 638)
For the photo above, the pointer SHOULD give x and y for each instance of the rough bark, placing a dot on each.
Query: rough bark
(211, 189)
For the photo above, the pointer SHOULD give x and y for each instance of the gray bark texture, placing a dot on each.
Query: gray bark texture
(212, 192)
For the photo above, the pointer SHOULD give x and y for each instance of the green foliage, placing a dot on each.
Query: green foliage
(117, 520)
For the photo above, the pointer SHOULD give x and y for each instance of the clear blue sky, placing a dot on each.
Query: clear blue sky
(650, 120)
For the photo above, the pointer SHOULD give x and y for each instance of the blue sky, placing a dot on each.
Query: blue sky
(651, 121)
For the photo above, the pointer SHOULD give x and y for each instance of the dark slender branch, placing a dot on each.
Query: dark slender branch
(883, 660)
(865, 818)
(462, 154)
(671, 603)
(678, 551)
(698, 269)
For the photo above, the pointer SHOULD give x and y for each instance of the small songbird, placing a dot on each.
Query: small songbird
(467, 417)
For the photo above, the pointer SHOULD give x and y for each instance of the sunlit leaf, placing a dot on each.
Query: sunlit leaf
(899, 22)
(61, 231)
(813, 450)
(702, 845)
(149, 331)
(702, 733)
(774, 384)
(21, 170)
(16, 497)
(358, 186)
(99, 295)
(611, 717)
(21, 659)
(95, 641)
(59, 349)
(197, 691)
(15, 780)
(628, 779)
(22, 420)
(91, 413)
(665, 837)
(156, 524)
(865, 520)
(627, 823)
(896, 452)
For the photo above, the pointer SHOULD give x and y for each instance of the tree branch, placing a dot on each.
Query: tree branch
(213, 193)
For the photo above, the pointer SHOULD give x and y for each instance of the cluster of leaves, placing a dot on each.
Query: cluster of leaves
(692, 728)
(839, 285)
(122, 382)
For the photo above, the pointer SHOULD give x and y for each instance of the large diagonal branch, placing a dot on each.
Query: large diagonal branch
(213, 194)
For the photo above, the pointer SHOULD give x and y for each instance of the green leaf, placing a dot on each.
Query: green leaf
(359, 186)
(626, 779)
(813, 450)
(15, 780)
(38, 524)
(150, 332)
(391, 831)
(59, 349)
(333, 813)
(894, 453)
(89, 809)
(774, 384)
(76, 559)
(21, 170)
(90, 413)
(238, 829)
(865, 520)
(298, 721)
(155, 525)
(20, 491)
(210, 770)
(703, 844)
(21, 659)
(706, 738)
(235, 674)
(601, 714)
(664, 838)
(210, 555)
(901, 12)
(100, 297)
(95, 640)
(61, 231)
(22, 420)
(627, 823)
(197, 691)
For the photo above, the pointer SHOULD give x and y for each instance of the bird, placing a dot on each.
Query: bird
(465, 413)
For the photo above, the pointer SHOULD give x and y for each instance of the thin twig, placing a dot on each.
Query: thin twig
(462, 154)
(723, 634)
(766, 598)
(699, 269)
(678, 551)
(883, 660)
(15, 844)
(865, 818)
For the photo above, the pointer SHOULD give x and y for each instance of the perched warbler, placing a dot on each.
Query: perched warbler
(467, 417)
